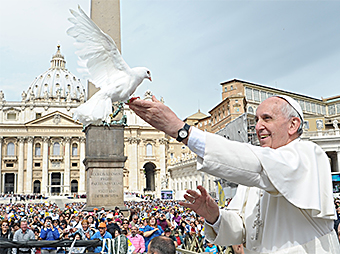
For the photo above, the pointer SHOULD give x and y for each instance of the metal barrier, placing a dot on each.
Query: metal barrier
(45, 243)
(193, 245)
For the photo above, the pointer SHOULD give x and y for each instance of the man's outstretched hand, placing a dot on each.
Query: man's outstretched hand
(203, 204)
(158, 115)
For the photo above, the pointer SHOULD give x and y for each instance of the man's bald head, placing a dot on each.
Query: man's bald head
(161, 245)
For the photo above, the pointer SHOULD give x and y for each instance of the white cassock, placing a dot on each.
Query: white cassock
(284, 203)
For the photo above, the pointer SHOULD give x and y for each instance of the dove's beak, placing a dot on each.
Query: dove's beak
(150, 79)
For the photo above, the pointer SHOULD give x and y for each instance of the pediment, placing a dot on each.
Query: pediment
(56, 119)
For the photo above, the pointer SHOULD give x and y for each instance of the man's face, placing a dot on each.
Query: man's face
(134, 231)
(102, 230)
(272, 126)
(23, 226)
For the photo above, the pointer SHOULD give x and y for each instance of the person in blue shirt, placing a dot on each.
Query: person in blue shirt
(151, 231)
(101, 234)
(49, 233)
(211, 248)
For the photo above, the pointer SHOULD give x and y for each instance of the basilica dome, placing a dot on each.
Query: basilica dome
(56, 84)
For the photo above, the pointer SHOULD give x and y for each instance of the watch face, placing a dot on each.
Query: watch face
(183, 133)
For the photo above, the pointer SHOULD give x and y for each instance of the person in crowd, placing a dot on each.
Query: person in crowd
(49, 233)
(23, 234)
(125, 226)
(182, 228)
(92, 222)
(163, 222)
(15, 227)
(85, 231)
(137, 241)
(134, 220)
(161, 245)
(64, 229)
(101, 234)
(178, 238)
(36, 222)
(167, 233)
(151, 231)
(211, 248)
(177, 217)
(284, 174)
(5, 235)
(77, 236)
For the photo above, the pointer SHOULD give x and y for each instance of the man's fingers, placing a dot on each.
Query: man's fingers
(203, 191)
(193, 193)
(189, 198)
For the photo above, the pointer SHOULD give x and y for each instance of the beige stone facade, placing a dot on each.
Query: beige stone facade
(42, 148)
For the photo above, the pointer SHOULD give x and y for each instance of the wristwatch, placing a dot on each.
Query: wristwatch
(183, 133)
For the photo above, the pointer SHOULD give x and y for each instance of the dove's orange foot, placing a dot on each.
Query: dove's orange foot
(132, 99)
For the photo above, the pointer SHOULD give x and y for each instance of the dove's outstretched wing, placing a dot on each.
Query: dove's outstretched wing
(103, 59)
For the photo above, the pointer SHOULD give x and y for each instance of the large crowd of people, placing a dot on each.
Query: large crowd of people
(140, 222)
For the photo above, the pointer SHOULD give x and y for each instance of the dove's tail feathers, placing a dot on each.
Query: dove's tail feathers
(94, 111)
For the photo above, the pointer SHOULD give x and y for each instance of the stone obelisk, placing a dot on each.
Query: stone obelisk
(104, 159)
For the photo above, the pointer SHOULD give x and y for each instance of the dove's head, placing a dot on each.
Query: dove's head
(144, 72)
(148, 74)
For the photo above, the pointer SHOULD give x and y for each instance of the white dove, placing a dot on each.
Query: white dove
(108, 70)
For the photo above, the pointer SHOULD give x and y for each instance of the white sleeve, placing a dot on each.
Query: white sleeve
(196, 141)
(233, 231)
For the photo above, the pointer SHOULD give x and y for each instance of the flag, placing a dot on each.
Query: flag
(221, 196)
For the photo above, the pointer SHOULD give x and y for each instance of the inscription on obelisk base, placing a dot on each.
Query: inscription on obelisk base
(104, 164)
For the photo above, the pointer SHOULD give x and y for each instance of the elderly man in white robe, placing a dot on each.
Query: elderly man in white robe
(284, 203)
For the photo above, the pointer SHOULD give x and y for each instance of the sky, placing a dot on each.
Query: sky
(190, 46)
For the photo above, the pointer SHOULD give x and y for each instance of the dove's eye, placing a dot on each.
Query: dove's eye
(148, 72)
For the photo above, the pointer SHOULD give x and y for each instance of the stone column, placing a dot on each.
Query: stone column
(162, 157)
(44, 180)
(158, 183)
(67, 174)
(338, 160)
(29, 166)
(82, 173)
(1, 175)
(62, 189)
(133, 164)
(21, 166)
(3, 183)
(50, 183)
(15, 183)
(104, 165)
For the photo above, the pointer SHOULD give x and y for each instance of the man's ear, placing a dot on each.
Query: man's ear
(294, 125)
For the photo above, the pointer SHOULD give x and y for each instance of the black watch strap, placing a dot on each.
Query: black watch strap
(186, 128)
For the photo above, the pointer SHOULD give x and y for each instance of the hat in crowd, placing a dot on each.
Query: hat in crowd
(292, 103)
(167, 230)
(102, 225)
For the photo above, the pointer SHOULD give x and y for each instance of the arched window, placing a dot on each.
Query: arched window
(74, 149)
(148, 150)
(251, 110)
(56, 148)
(10, 149)
(37, 151)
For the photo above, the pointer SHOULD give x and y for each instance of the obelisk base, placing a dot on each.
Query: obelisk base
(104, 164)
